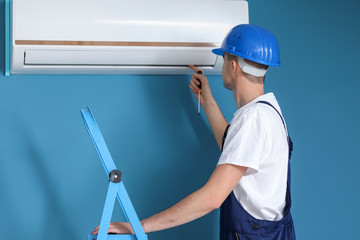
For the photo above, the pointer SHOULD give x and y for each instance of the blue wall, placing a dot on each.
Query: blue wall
(52, 184)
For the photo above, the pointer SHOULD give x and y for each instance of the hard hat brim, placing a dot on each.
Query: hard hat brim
(218, 51)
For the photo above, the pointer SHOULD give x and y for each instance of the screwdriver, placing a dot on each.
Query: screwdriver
(199, 91)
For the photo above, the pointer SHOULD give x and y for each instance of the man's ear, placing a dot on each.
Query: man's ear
(234, 65)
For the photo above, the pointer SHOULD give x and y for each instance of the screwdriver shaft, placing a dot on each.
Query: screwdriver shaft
(199, 104)
(199, 91)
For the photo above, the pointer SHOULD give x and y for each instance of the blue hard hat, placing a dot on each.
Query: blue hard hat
(251, 42)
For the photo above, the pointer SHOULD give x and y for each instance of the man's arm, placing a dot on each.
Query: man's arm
(196, 205)
(215, 117)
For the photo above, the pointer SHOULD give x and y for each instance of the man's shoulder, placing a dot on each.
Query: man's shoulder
(257, 111)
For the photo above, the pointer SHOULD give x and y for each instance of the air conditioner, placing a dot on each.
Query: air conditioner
(118, 36)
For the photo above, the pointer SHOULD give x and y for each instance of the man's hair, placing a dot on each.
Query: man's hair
(250, 77)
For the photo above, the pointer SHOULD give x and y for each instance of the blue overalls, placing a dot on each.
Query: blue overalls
(237, 224)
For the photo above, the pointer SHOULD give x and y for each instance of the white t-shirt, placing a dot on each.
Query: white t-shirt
(257, 139)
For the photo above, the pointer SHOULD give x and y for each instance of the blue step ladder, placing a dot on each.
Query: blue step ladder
(116, 188)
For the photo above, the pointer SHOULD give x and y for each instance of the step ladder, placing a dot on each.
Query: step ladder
(116, 188)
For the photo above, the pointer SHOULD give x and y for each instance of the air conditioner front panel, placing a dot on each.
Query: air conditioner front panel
(120, 37)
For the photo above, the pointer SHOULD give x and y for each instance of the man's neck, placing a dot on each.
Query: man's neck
(247, 92)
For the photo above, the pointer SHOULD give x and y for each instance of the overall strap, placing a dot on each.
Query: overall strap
(224, 136)
(282, 119)
(290, 144)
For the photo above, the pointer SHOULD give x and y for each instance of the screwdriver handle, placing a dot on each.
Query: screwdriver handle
(199, 86)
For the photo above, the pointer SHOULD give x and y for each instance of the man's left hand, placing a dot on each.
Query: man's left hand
(117, 228)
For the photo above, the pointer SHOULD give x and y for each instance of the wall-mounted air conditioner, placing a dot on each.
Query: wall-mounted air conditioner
(118, 36)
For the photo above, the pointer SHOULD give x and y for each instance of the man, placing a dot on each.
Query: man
(251, 182)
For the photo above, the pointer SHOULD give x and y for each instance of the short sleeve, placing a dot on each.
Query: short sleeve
(244, 143)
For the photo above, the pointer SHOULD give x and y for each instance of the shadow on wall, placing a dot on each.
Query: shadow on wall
(2, 38)
(56, 223)
(28, 189)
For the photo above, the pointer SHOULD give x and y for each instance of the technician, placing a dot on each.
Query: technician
(251, 183)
